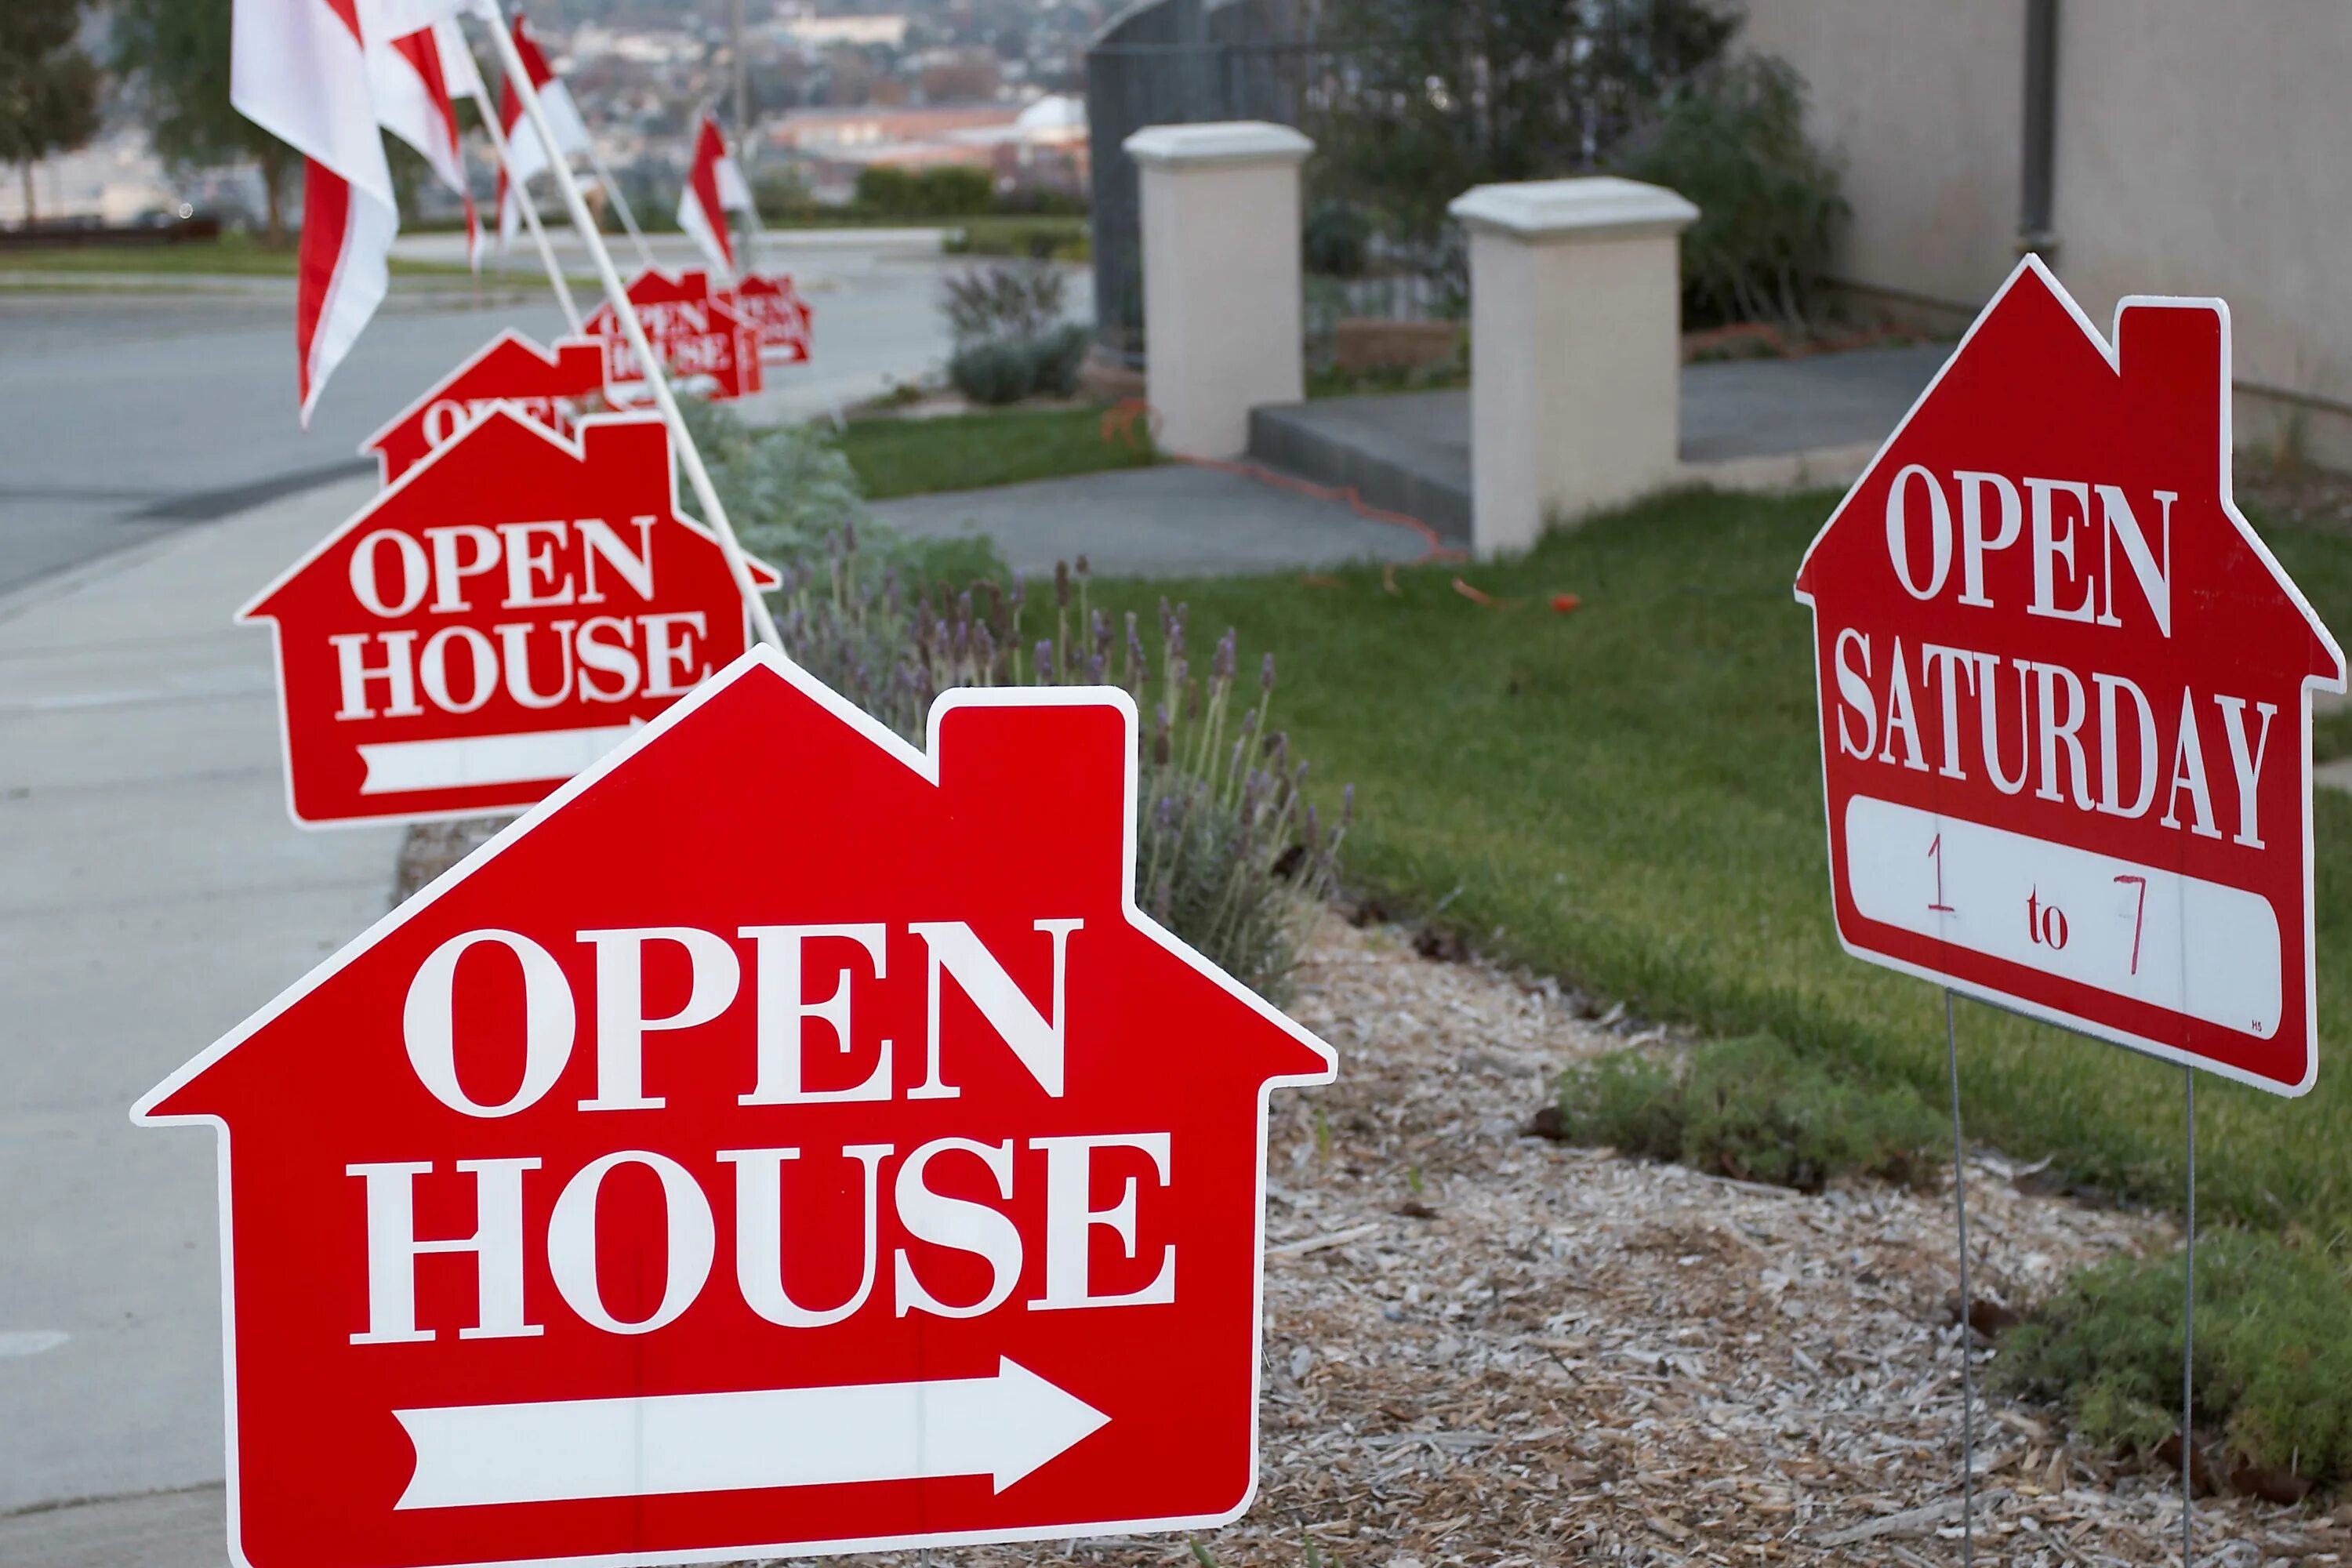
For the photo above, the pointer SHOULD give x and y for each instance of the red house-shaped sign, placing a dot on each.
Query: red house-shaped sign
(495, 620)
(780, 1141)
(553, 387)
(778, 313)
(704, 340)
(2066, 694)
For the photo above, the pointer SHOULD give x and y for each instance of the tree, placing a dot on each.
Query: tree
(178, 52)
(1768, 199)
(48, 88)
(1427, 98)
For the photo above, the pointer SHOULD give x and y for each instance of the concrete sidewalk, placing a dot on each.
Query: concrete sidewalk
(155, 894)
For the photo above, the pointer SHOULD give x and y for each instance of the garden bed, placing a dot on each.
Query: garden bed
(1628, 794)
(1484, 1347)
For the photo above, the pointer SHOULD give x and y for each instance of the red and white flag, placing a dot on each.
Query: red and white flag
(714, 187)
(299, 69)
(525, 156)
(417, 79)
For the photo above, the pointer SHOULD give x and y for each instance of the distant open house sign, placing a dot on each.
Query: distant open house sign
(2064, 691)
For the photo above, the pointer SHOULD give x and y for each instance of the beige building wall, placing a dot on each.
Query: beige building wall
(2201, 149)
(1919, 100)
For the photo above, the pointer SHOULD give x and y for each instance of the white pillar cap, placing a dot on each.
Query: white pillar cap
(1224, 143)
(1535, 211)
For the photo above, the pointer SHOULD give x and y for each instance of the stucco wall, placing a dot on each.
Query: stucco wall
(2200, 150)
(1919, 100)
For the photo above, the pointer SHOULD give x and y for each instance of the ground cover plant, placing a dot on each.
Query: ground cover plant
(1628, 797)
(1010, 339)
(971, 451)
(1755, 1109)
(1230, 853)
(2274, 1364)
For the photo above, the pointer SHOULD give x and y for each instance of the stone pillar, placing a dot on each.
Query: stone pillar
(1223, 320)
(1575, 350)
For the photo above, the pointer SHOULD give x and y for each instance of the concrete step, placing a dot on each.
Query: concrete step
(1745, 424)
(1407, 452)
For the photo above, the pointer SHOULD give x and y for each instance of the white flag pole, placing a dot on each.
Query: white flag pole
(759, 233)
(620, 202)
(626, 312)
(759, 237)
(529, 213)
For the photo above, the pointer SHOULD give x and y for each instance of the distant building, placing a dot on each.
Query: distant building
(1041, 144)
(637, 46)
(115, 179)
(825, 32)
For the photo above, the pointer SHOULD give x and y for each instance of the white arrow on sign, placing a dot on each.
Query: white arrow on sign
(395, 767)
(1002, 1427)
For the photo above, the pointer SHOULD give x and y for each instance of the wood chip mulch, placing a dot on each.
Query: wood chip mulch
(1486, 1348)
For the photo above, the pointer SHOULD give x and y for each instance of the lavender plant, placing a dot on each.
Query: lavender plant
(1229, 854)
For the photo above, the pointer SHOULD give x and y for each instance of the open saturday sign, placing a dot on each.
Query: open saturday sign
(2064, 694)
(781, 1139)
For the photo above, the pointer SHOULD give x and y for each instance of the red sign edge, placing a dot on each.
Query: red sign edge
(763, 574)
(924, 765)
(2226, 485)
(549, 354)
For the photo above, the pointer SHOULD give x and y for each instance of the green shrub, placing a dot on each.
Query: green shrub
(1056, 358)
(786, 488)
(951, 192)
(997, 370)
(1752, 1109)
(1335, 238)
(1229, 854)
(1022, 300)
(994, 370)
(1010, 338)
(2274, 1364)
(1768, 199)
(1045, 238)
(1628, 1101)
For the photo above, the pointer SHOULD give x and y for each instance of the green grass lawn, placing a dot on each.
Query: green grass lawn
(1629, 797)
(236, 253)
(972, 451)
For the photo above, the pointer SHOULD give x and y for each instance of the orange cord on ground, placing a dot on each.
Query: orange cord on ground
(1119, 421)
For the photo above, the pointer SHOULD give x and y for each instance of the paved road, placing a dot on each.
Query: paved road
(127, 415)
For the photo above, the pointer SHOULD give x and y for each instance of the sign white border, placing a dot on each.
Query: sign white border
(577, 450)
(2226, 491)
(924, 765)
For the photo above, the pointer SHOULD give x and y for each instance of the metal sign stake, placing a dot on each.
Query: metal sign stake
(2189, 1331)
(1961, 1207)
